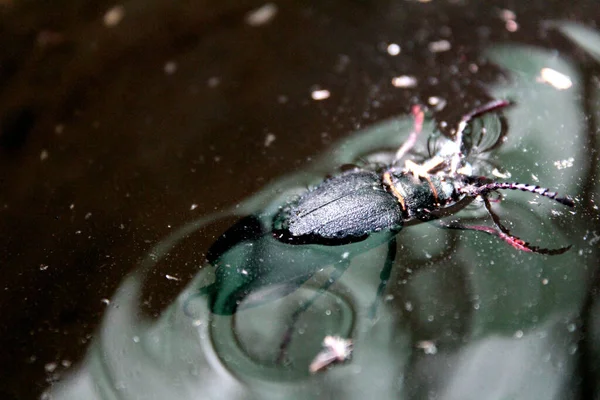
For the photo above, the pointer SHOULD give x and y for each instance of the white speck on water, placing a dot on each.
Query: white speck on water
(437, 102)
(345, 255)
(43, 267)
(393, 49)
(427, 346)
(44, 155)
(408, 306)
(404, 81)
(213, 82)
(321, 94)
(171, 277)
(535, 178)
(556, 79)
(270, 138)
(571, 327)
(439, 46)
(545, 281)
(136, 339)
(105, 301)
(114, 16)
(193, 207)
(88, 216)
(244, 272)
(261, 15)
(328, 312)
(170, 67)
(518, 334)
(499, 174)
(50, 367)
(562, 164)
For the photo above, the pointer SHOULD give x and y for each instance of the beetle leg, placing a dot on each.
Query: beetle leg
(287, 337)
(464, 122)
(412, 138)
(384, 276)
(514, 241)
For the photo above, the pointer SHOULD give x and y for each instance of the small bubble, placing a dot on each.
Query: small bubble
(393, 49)
(320, 94)
(518, 334)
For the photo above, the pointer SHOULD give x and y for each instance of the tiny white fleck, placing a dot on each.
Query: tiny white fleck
(518, 334)
(535, 178)
(404, 81)
(393, 49)
(345, 254)
(170, 67)
(105, 301)
(439, 46)
(171, 277)
(562, 164)
(43, 267)
(571, 327)
(427, 346)
(213, 82)
(136, 339)
(193, 206)
(50, 367)
(44, 155)
(511, 26)
(545, 281)
(499, 174)
(556, 79)
(244, 272)
(320, 94)
(261, 15)
(270, 138)
(408, 306)
(113, 16)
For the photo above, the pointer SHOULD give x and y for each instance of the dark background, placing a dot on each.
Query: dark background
(103, 152)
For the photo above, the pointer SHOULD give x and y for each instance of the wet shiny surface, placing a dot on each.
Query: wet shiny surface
(117, 140)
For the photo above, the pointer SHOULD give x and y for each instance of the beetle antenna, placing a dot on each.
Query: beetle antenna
(491, 186)
(418, 116)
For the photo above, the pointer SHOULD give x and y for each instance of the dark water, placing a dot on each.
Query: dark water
(116, 143)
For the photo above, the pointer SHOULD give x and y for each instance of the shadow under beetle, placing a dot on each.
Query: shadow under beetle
(349, 207)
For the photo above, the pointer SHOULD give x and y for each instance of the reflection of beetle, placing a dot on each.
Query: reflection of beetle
(350, 206)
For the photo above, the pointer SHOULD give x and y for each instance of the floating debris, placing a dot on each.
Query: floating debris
(393, 49)
(562, 164)
(261, 15)
(404, 81)
(554, 78)
(270, 138)
(320, 94)
(439, 46)
(510, 20)
(335, 349)
(170, 67)
(114, 16)
(427, 346)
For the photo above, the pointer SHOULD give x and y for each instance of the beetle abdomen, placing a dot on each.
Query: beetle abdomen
(343, 209)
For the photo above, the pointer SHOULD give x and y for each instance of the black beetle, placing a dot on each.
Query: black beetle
(348, 207)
